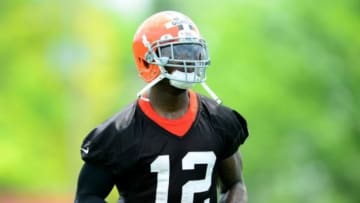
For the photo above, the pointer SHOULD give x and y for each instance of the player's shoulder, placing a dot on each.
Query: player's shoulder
(112, 133)
(217, 111)
(221, 116)
(117, 123)
(121, 120)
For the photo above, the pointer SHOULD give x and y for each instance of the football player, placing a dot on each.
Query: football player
(171, 145)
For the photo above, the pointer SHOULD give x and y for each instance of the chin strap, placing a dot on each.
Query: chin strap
(211, 93)
(150, 85)
(161, 76)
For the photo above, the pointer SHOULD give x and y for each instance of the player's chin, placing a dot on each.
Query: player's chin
(176, 90)
(165, 83)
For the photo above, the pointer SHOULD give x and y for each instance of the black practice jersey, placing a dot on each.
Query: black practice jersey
(152, 165)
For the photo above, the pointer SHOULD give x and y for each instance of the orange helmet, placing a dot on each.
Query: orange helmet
(170, 39)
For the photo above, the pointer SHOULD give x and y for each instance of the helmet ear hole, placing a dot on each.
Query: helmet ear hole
(145, 63)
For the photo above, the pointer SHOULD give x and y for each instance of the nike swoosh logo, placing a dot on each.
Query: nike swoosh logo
(85, 150)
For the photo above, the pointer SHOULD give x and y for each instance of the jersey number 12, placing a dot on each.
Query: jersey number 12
(161, 166)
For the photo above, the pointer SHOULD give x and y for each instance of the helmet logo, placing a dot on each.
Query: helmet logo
(166, 37)
(186, 29)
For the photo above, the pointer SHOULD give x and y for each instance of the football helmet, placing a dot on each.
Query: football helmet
(168, 44)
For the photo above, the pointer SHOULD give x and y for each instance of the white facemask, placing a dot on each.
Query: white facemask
(178, 79)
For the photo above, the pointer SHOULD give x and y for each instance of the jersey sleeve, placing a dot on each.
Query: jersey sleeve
(232, 128)
(236, 134)
(112, 144)
(94, 184)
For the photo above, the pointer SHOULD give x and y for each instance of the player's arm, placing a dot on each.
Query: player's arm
(233, 186)
(94, 184)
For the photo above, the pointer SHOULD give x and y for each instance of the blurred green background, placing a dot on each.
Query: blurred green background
(291, 67)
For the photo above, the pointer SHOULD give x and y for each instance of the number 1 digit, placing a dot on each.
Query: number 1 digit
(161, 166)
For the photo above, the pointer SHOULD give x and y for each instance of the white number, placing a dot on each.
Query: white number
(161, 166)
(195, 186)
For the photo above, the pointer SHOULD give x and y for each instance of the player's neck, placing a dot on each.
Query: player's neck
(169, 102)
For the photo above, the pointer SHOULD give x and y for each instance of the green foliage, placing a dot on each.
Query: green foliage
(292, 70)
(290, 67)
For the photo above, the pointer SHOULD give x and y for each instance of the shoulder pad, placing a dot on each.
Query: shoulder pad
(110, 140)
(228, 123)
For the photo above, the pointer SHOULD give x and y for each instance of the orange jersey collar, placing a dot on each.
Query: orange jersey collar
(179, 126)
